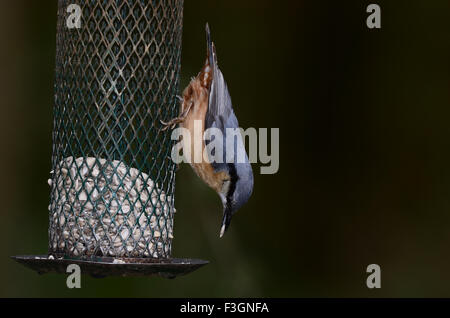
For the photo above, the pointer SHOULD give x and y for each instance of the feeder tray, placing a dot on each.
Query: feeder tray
(100, 267)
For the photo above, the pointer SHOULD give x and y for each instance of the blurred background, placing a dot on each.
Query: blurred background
(364, 139)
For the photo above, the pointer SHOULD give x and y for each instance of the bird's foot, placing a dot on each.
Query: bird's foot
(172, 123)
(177, 120)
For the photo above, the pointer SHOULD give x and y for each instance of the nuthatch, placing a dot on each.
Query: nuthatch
(206, 99)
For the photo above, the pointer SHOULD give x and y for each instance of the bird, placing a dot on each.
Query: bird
(207, 99)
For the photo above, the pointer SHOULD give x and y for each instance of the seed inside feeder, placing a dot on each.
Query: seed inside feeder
(106, 208)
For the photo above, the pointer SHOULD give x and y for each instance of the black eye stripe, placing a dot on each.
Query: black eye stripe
(233, 181)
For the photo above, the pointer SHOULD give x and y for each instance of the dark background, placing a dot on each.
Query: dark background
(364, 152)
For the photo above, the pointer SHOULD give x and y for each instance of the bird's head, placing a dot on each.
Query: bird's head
(236, 191)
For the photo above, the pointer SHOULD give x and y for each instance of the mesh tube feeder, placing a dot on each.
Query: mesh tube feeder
(112, 185)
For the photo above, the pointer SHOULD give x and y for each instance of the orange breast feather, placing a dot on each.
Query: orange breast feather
(196, 95)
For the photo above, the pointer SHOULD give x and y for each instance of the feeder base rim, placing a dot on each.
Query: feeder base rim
(100, 267)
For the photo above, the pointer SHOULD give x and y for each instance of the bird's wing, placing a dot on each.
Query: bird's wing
(220, 107)
(230, 122)
(220, 112)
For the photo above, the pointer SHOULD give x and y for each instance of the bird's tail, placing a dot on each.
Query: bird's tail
(210, 49)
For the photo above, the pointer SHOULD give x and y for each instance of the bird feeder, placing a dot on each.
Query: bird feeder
(112, 181)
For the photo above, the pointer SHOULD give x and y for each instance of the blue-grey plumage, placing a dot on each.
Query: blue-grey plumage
(206, 98)
(221, 115)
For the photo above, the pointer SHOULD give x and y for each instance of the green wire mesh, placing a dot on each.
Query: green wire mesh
(117, 76)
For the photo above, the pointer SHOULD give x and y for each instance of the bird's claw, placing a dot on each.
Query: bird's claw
(177, 120)
(171, 123)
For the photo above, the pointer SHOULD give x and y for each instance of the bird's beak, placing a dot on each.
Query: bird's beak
(226, 220)
(222, 230)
